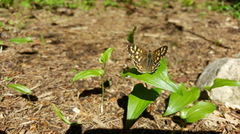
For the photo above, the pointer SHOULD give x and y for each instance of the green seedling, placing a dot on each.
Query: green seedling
(6, 3)
(8, 78)
(88, 4)
(2, 24)
(21, 40)
(25, 4)
(180, 97)
(112, 3)
(97, 72)
(60, 115)
(231, 8)
(187, 3)
(21, 89)
(43, 39)
(200, 109)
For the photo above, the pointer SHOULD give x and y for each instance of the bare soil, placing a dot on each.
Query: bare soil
(65, 40)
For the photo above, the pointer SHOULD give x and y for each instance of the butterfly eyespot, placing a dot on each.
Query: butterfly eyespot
(139, 50)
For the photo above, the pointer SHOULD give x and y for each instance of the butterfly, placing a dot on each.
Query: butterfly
(144, 61)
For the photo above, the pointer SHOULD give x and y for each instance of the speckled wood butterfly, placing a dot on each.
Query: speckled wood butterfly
(144, 61)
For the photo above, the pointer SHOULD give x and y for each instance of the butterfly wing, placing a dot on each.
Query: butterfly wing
(156, 58)
(139, 57)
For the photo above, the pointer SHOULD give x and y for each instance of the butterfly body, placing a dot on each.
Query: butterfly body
(144, 61)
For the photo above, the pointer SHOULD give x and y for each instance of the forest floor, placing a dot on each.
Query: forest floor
(65, 40)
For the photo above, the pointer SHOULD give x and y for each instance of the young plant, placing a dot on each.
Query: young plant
(88, 4)
(232, 8)
(21, 89)
(60, 115)
(200, 109)
(21, 40)
(187, 3)
(112, 3)
(97, 72)
(180, 97)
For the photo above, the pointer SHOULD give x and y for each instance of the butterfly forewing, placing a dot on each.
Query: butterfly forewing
(139, 57)
(157, 56)
(137, 53)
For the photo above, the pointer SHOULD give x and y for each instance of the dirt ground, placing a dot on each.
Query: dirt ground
(65, 40)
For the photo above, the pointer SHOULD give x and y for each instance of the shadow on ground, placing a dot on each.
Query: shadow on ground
(136, 131)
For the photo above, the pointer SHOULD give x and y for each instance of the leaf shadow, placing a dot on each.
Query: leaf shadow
(31, 97)
(90, 91)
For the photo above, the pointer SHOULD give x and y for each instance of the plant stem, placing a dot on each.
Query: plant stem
(103, 88)
(28, 97)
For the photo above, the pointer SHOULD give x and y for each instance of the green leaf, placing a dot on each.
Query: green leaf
(59, 114)
(1, 42)
(2, 24)
(131, 36)
(88, 74)
(197, 112)
(159, 78)
(218, 82)
(21, 40)
(107, 3)
(178, 102)
(106, 55)
(138, 101)
(25, 4)
(20, 88)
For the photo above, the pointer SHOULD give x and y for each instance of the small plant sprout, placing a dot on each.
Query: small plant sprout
(21, 40)
(187, 2)
(97, 72)
(141, 97)
(21, 89)
(112, 3)
(60, 115)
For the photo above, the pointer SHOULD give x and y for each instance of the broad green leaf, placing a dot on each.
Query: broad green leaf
(131, 36)
(21, 40)
(178, 102)
(88, 74)
(59, 114)
(218, 82)
(159, 78)
(1, 42)
(20, 88)
(106, 55)
(197, 112)
(138, 101)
